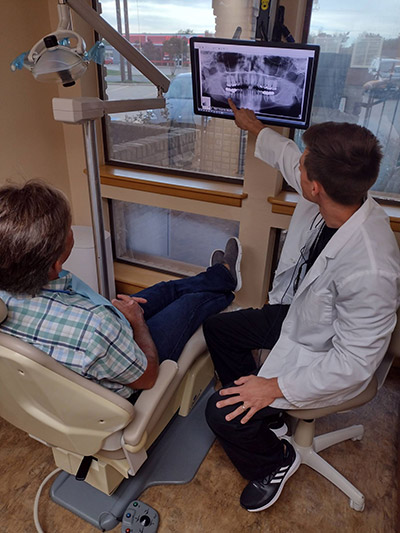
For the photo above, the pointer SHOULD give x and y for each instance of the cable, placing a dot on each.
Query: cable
(36, 502)
(295, 280)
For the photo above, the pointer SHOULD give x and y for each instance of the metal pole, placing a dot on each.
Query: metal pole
(92, 164)
(127, 35)
(119, 26)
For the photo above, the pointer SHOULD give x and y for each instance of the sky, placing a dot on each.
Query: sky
(357, 16)
(149, 16)
(333, 16)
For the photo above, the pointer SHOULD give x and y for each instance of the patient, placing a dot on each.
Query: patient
(118, 344)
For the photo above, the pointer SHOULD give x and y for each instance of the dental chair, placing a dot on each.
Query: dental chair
(93, 432)
(308, 445)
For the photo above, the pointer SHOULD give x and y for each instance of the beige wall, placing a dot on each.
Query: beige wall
(72, 133)
(32, 143)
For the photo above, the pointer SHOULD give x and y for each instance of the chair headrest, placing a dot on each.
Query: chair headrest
(3, 311)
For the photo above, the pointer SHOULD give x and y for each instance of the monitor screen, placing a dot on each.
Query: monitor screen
(275, 80)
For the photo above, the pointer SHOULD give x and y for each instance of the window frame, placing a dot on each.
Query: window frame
(380, 196)
(149, 168)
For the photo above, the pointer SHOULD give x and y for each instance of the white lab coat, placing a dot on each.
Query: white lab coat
(340, 320)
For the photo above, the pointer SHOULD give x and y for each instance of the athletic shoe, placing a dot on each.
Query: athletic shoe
(232, 257)
(217, 257)
(261, 494)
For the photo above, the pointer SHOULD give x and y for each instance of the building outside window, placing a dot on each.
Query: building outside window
(358, 78)
(358, 81)
(173, 139)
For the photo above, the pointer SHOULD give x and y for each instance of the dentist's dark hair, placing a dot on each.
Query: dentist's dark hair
(344, 158)
(35, 219)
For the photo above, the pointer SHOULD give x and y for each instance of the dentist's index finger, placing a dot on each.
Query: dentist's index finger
(232, 105)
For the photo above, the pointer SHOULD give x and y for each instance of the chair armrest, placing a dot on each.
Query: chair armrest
(147, 403)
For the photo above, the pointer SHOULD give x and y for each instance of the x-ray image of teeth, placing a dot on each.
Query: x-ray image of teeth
(261, 83)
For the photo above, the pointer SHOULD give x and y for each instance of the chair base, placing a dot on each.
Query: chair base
(173, 459)
(309, 455)
(103, 476)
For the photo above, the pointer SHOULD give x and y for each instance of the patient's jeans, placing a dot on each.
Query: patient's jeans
(175, 309)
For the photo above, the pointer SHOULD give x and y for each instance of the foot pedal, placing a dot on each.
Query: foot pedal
(139, 518)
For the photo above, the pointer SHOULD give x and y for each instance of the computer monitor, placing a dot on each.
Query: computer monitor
(275, 80)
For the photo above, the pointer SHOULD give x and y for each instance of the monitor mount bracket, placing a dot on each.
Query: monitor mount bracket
(270, 23)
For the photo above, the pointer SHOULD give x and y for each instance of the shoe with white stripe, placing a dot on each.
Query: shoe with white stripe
(261, 494)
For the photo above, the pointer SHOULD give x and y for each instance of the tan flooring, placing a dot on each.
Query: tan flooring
(209, 503)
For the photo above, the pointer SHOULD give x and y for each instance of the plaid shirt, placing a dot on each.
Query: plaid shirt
(89, 339)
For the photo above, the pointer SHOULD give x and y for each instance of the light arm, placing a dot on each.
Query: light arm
(123, 46)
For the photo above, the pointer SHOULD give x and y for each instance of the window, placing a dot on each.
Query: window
(166, 239)
(173, 138)
(358, 78)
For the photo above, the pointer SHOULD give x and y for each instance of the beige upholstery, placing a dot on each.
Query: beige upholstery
(308, 445)
(78, 417)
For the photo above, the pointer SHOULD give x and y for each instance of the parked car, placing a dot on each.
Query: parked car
(386, 82)
(385, 69)
(178, 104)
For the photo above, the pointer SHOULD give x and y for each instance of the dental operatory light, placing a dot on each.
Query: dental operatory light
(61, 56)
(59, 62)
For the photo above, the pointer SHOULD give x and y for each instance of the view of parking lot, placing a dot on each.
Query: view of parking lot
(173, 137)
(358, 81)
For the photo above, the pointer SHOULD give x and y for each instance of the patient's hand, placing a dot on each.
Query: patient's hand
(130, 308)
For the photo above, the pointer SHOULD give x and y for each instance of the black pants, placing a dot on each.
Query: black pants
(252, 447)
(231, 337)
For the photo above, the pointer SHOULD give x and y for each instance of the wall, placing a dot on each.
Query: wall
(32, 143)
(72, 133)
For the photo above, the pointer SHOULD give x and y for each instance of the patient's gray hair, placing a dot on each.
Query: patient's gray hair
(35, 219)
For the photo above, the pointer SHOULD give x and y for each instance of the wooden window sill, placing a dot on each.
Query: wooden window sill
(130, 279)
(285, 202)
(193, 188)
